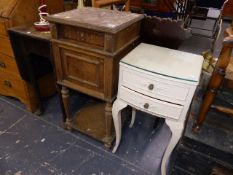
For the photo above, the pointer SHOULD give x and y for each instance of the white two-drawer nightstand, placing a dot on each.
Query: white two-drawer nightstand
(158, 81)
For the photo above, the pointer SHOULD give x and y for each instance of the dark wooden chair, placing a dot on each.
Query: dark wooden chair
(223, 65)
(212, 11)
(163, 32)
(200, 12)
(223, 69)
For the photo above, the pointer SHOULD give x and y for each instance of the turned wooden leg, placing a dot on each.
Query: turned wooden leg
(109, 124)
(35, 85)
(118, 105)
(58, 87)
(209, 97)
(66, 103)
(176, 129)
(40, 108)
(214, 84)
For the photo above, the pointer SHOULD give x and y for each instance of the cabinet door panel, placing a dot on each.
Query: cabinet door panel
(82, 69)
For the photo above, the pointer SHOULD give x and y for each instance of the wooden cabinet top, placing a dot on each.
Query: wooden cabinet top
(104, 20)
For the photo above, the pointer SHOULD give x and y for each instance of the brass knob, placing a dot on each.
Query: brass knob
(7, 83)
(151, 87)
(2, 64)
(146, 105)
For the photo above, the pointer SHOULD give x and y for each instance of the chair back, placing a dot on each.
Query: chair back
(163, 32)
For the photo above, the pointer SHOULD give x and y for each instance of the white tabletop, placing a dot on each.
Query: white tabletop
(166, 62)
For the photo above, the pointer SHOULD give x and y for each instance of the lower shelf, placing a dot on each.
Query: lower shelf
(91, 120)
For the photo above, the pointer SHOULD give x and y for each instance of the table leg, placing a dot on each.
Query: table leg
(132, 117)
(58, 87)
(35, 84)
(176, 129)
(66, 103)
(108, 125)
(118, 105)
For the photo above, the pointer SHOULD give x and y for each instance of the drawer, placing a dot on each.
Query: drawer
(8, 64)
(150, 85)
(150, 105)
(5, 46)
(12, 86)
(82, 36)
(3, 27)
(80, 70)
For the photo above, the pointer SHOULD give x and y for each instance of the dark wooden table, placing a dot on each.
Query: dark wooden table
(32, 51)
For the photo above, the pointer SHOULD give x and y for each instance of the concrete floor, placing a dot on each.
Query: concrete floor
(32, 145)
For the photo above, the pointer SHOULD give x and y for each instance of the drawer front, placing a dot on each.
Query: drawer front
(82, 36)
(150, 105)
(8, 64)
(12, 86)
(150, 85)
(3, 28)
(5, 46)
(81, 69)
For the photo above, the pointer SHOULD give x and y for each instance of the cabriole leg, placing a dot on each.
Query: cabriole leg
(118, 105)
(176, 129)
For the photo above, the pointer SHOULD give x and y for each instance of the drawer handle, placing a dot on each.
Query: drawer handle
(2, 64)
(151, 87)
(7, 83)
(146, 105)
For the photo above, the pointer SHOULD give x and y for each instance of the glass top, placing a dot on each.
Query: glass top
(166, 62)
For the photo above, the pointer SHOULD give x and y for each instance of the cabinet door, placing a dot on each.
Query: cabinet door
(79, 70)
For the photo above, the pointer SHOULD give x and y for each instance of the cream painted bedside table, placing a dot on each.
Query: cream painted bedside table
(158, 81)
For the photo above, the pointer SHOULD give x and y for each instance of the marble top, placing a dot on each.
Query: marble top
(166, 62)
(100, 19)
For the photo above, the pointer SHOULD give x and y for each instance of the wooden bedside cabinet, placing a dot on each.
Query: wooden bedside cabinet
(88, 44)
(158, 81)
